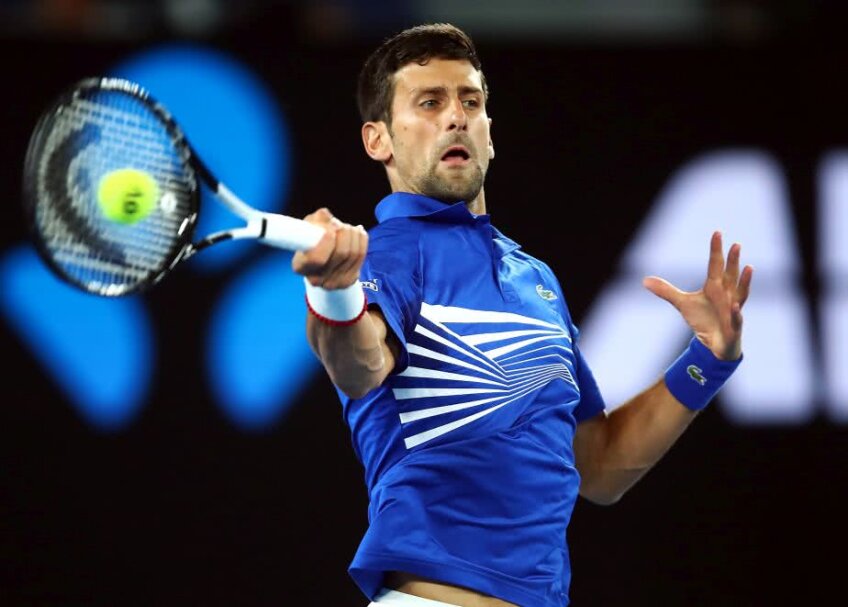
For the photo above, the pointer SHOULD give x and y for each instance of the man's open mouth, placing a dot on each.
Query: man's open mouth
(456, 154)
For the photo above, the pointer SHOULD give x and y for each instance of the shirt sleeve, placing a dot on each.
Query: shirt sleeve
(391, 280)
(591, 401)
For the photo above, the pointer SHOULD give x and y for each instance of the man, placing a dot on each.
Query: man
(471, 408)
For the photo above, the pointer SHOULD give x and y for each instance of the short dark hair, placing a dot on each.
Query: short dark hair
(419, 44)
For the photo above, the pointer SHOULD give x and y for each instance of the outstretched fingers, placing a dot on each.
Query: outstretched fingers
(736, 317)
(731, 272)
(664, 289)
(715, 269)
(744, 287)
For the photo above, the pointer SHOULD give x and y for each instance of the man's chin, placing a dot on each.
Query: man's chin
(453, 190)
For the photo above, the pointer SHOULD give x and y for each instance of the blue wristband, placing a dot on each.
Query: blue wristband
(697, 375)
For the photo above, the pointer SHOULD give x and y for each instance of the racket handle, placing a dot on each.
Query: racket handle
(289, 233)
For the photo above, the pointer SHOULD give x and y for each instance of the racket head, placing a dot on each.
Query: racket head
(93, 128)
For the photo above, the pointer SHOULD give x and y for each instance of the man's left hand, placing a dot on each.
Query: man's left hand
(714, 312)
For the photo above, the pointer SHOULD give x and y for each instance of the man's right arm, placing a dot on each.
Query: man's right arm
(358, 356)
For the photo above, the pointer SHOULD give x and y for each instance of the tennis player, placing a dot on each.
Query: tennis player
(475, 416)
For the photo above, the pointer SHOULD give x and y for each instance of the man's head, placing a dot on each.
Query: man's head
(422, 97)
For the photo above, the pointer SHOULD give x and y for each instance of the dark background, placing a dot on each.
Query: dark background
(182, 508)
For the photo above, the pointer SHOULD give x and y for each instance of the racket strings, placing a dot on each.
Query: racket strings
(88, 138)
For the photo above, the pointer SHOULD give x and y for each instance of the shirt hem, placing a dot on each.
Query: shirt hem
(490, 582)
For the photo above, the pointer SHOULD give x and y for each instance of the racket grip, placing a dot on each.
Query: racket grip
(289, 233)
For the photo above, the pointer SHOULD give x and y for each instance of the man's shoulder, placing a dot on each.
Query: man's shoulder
(398, 232)
(393, 244)
(531, 259)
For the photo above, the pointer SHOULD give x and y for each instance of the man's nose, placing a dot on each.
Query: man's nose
(458, 119)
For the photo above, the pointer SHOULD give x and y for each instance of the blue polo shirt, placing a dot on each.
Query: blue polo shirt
(467, 445)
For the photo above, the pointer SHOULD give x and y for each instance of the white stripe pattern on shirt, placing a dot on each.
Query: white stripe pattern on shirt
(490, 364)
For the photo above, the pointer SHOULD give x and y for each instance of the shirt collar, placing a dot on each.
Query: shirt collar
(404, 204)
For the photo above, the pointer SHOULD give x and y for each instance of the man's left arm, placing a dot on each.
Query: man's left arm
(614, 450)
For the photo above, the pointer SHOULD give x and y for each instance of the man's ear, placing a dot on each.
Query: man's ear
(377, 142)
(491, 145)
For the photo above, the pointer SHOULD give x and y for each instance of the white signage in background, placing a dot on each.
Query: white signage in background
(833, 258)
(630, 336)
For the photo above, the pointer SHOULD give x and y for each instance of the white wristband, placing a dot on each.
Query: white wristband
(337, 305)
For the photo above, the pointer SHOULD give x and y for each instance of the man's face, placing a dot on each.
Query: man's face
(440, 138)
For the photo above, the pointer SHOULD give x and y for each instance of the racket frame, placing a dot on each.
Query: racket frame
(272, 229)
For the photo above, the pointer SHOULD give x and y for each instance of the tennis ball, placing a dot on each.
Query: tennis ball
(127, 195)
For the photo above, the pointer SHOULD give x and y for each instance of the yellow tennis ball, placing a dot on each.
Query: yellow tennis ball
(127, 195)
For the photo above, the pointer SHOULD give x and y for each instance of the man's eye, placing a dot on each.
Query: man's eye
(472, 103)
(429, 103)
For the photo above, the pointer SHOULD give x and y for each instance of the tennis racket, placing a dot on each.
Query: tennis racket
(102, 127)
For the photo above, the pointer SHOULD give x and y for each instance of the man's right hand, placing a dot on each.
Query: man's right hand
(334, 262)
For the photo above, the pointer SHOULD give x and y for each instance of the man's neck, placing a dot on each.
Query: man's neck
(478, 205)
(475, 207)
